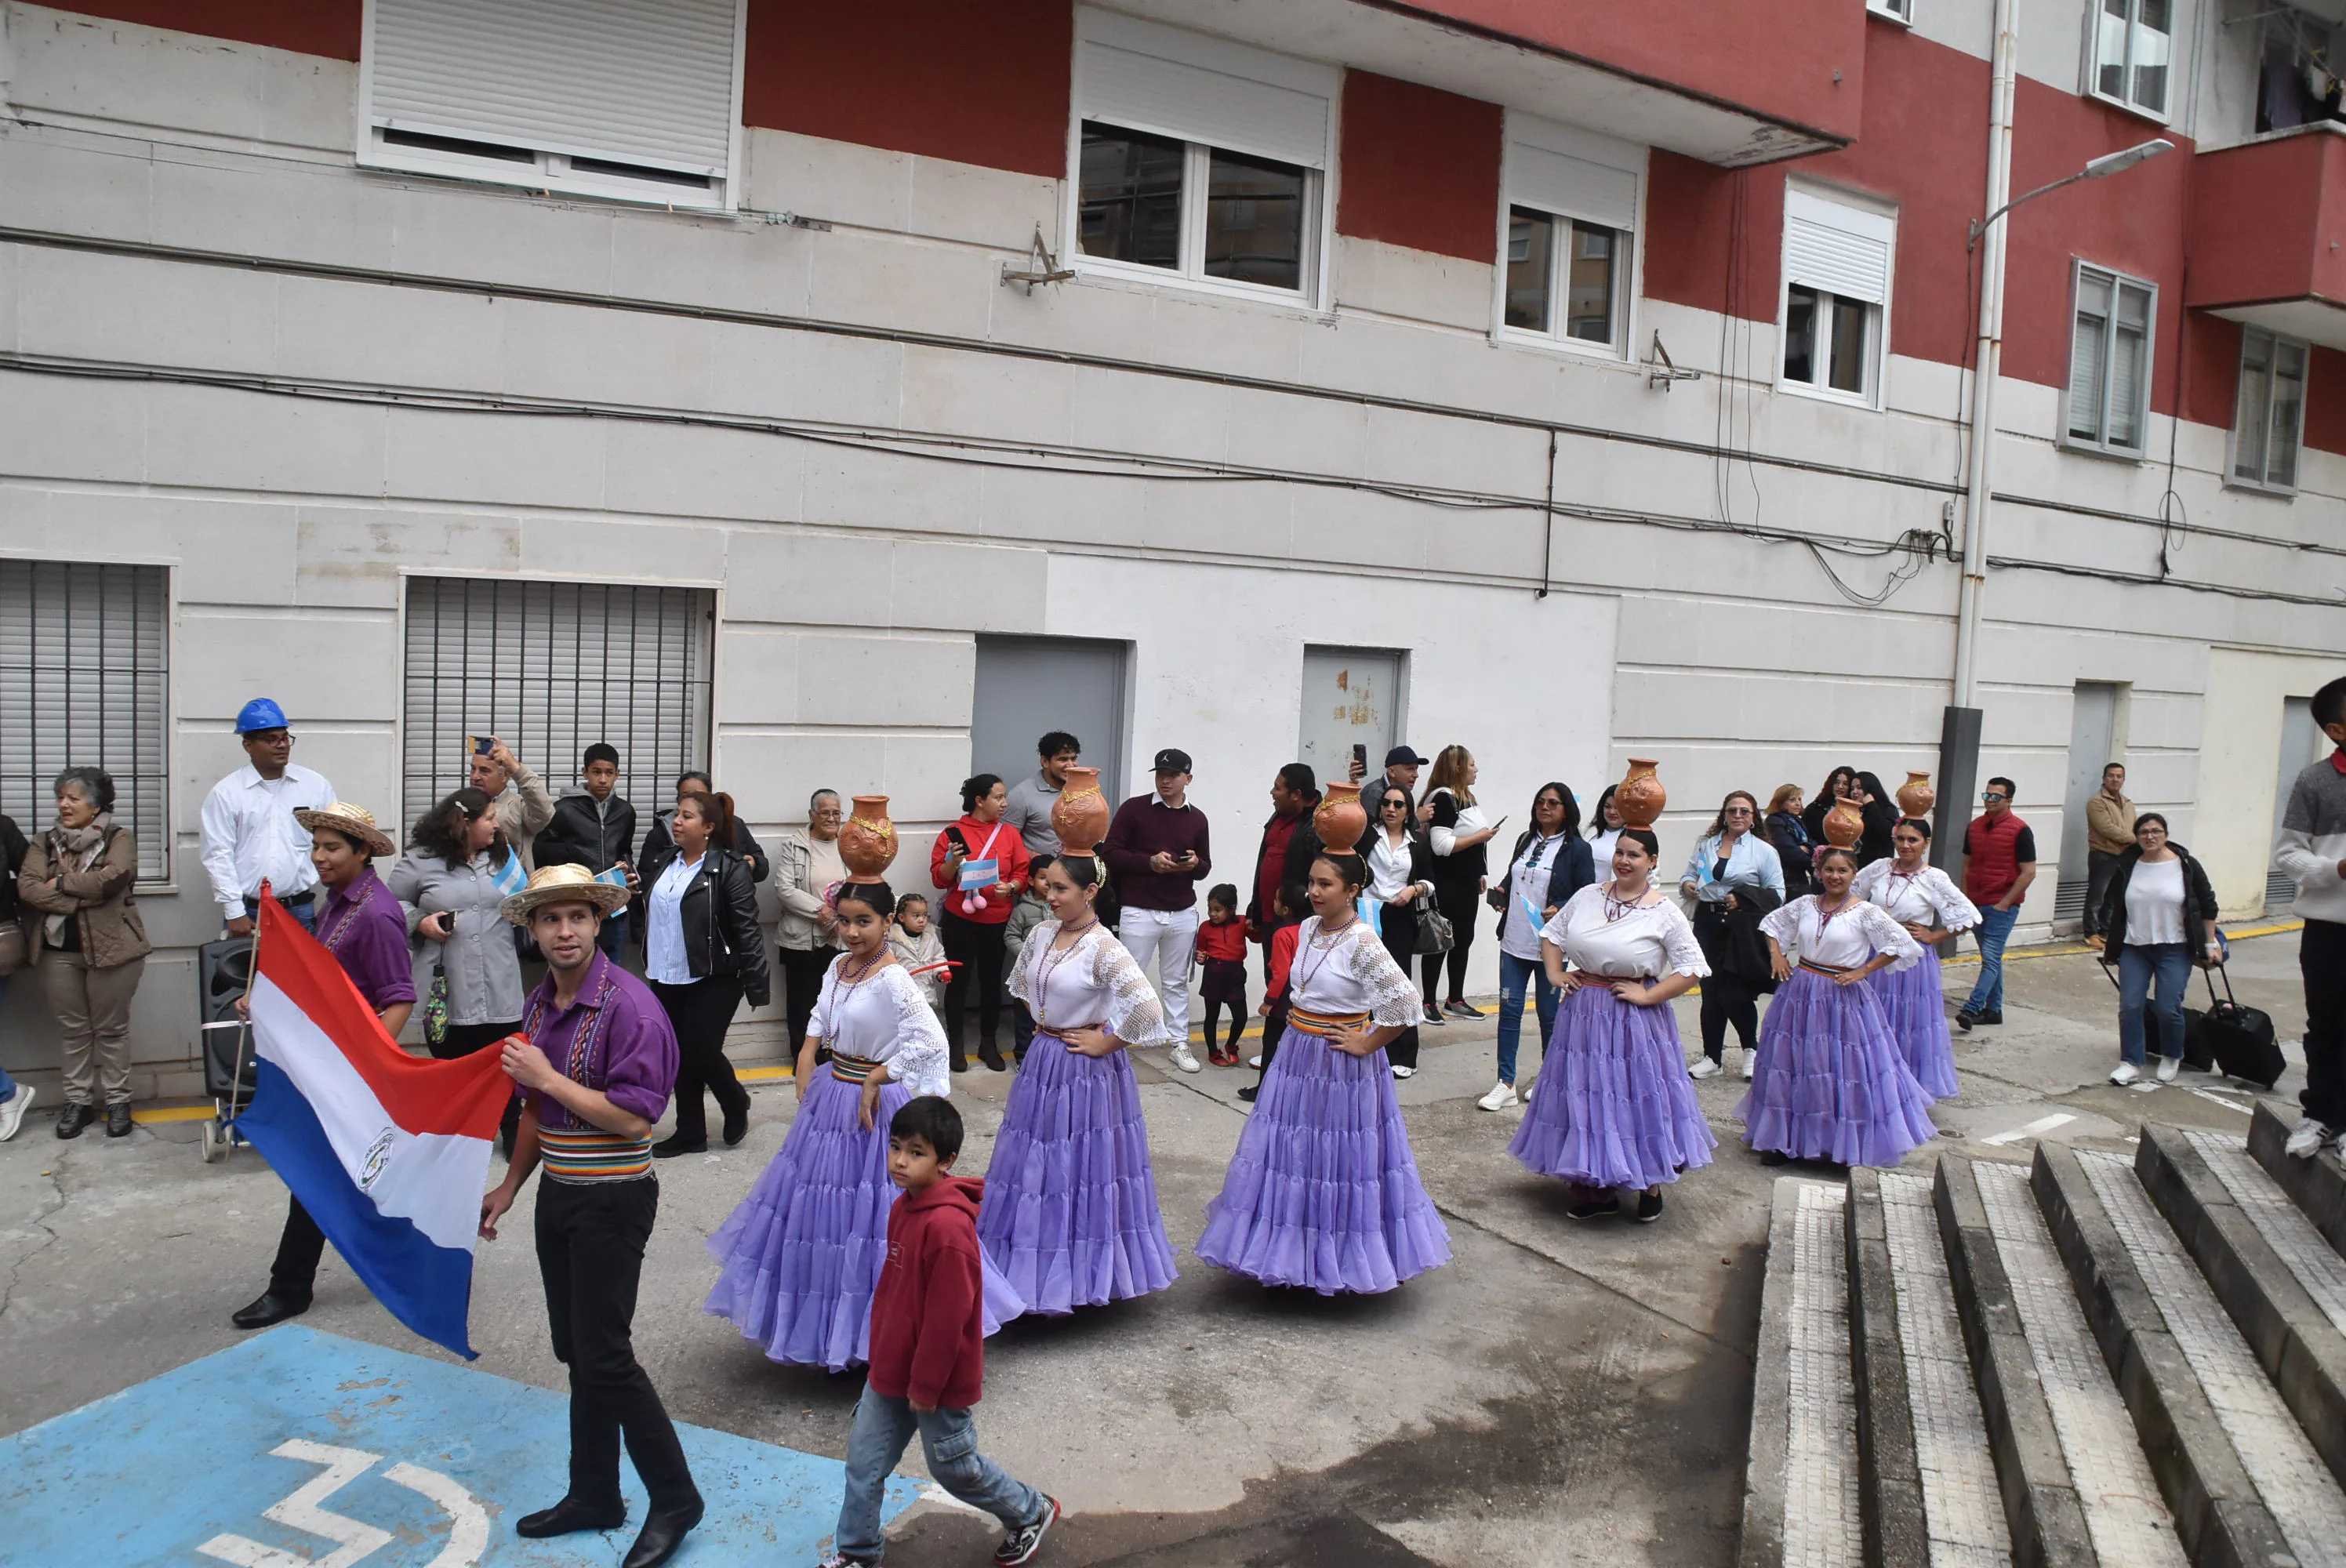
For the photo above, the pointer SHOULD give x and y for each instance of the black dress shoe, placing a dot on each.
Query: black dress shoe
(1964, 1019)
(961, 1065)
(669, 1148)
(117, 1120)
(271, 1307)
(664, 1531)
(568, 1517)
(74, 1118)
(992, 1059)
(737, 1126)
(1987, 1017)
(1249, 1091)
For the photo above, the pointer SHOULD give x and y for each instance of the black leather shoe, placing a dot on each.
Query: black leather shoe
(663, 1533)
(991, 1058)
(117, 1120)
(1249, 1091)
(270, 1308)
(669, 1148)
(74, 1118)
(1987, 1018)
(737, 1126)
(1966, 1019)
(568, 1517)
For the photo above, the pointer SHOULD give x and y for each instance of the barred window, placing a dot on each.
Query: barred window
(85, 680)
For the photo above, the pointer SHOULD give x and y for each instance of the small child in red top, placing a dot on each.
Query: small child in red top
(1284, 929)
(1221, 948)
(928, 1351)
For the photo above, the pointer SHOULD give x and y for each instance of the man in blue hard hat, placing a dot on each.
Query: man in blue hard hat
(249, 833)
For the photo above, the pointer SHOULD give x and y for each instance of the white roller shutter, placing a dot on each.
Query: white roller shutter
(1841, 248)
(643, 82)
(1555, 182)
(1199, 89)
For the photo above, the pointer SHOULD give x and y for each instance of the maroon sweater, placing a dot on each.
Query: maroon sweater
(928, 1344)
(1145, 826)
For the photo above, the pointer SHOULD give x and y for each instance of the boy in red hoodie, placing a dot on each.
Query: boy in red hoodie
(928, 1351)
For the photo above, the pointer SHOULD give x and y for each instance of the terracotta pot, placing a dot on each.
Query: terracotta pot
(1915, 797)
(1080, 815)
(1340, 819)
(1844, 825)
(867, 841)
(1640, 797)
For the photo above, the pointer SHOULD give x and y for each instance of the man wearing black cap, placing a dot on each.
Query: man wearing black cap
(1401, 769)
(1156, 848)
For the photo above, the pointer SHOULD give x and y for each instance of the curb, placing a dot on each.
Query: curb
(1890, 1474)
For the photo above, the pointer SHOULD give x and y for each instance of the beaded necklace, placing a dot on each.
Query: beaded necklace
(1825, 917)
(1049, 963)
(1616, 910)
(1306, 971)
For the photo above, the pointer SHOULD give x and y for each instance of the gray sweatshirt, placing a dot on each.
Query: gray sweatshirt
(2313, 841)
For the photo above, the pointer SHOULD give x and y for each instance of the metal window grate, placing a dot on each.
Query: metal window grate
(84, 679)
(551, 669)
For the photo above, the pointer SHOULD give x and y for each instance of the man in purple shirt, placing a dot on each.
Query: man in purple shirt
(595, 1063)
(360, 924)
(1156, 848)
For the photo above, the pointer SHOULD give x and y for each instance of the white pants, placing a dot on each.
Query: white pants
(1163, 941)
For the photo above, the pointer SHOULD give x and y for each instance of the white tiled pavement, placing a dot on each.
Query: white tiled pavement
(1822, 1528)
(2277, 1218)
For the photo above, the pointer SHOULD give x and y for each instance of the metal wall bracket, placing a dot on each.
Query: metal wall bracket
(1661, 372)
(1041, 266)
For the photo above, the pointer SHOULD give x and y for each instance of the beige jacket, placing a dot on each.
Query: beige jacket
(98, 899)
(2109, 824)
(522, 811)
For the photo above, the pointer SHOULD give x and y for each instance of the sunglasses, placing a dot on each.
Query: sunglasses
(1993, 795)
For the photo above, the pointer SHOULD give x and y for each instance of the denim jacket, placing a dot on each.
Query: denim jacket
(1753, 862)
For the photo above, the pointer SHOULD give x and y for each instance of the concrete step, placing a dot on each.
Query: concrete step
(2317, 1184)
(1800, 1499)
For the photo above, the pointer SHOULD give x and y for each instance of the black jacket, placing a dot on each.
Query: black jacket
(576, 836)
(2198, 902)
(1731, 941)
(13, 846)
(1795, 846)
(1880, 822)
(1294, 873)
(745, 844)
(1575, 869)
(723, 937)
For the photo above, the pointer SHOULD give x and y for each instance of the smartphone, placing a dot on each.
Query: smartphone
(482, 744)
(1361, 755)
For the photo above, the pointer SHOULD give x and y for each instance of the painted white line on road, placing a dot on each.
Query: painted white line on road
(2214, 1098)
(2037, 1128)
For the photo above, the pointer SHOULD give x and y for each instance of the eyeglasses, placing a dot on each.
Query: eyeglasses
(1993, 795)
(1738, 811)
(270, 737)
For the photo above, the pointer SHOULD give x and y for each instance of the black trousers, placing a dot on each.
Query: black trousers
(294, 1274)
(802, 975)
(976, 953)
(2100, 867)
(700, 1014)
(1726, 999)
(2321, 958)
(1398, 925)
(462, 1040)
(1462, 903)
(590, 1254)
(1274, 1029)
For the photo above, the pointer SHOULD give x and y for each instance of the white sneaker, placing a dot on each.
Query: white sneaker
(1255, 1062)
(12, 1111)
(1501, 1096)
(1751, 1062)
(2167, 1067)
(1705, 1068)
(1184, 1059)
(1401, 1071)
(2124, 1073)
(2307, 1141)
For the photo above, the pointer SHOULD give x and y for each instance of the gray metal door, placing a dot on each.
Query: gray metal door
(2093, 730)
(1029, 685)
(1351, 696)
(2302, 742)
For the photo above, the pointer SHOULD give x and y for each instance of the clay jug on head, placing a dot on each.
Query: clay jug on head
(1340, 819)
(1080, 815)
(1844, 825)
(1915, 797)
(1640, 797)
(867, 841)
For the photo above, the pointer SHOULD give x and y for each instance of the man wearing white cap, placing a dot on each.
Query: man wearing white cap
(250, 836)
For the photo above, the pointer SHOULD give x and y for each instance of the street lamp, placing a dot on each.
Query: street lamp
(2102, 167)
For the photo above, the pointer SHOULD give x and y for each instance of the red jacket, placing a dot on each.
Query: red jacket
(1227, 941)
(1007, 847)
(928, 1345)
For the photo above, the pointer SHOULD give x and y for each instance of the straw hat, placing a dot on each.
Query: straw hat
(345, 818)
(562, 884)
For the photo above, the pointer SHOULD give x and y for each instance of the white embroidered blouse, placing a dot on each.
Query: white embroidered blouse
(1340, 973)
(1625, 943)
(1929, 897)
(884, 1017)
(1849, 936)
(1094, 983)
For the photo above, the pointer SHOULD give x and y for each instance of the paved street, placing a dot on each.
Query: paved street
(1559, 1393)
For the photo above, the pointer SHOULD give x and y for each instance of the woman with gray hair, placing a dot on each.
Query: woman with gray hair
(89, 944)
(810, 866)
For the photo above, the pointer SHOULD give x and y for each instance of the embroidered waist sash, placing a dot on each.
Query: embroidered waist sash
(587, 1155)
(1826, 970)
(853, 1069)
(1323, 1024)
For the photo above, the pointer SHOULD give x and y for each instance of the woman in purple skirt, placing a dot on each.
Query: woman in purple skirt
(1323, 1192)
(1925, 900)
(1832, 1083)
(801, 1255)
(1070, 1215)
(1614, 1108)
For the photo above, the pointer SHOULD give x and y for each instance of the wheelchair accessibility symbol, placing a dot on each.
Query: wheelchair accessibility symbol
(304, 1509)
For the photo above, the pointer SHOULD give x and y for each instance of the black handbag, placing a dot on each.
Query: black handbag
(1433, 932)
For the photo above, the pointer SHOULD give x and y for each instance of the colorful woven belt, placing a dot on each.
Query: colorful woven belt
(585, 1156)
(1827, 969)
(1324, 1024)
(853, 1069)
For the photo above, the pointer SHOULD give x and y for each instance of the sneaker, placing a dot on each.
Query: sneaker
(1649, 1207)
(1595, 1208)
(13, 1109)
(118, 1119)
(841, 1559)
(1995, 1017)
(2303, 1144)
(1706, 1068)
(1751, 1062)
(1964, 1019)
(74, 1118)
(1459, 1009)
(1434, 1014)
(1020, 1544)
(1501, 1096)
(2167, 1067)
(1255, 1061)
(1401, 1071)
(2124, 1073)
(1185, 1059)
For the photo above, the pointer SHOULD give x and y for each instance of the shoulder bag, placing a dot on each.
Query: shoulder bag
(1433, 932)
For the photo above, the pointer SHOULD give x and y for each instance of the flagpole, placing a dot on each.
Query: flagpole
(244, 1033)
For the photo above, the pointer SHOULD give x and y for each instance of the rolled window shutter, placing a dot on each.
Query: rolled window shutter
(1557, 182)
(1148, 78)
(1840, 249)
(644, 81)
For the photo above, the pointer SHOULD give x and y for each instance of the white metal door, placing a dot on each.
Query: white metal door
(1350, 696)
(2093, 731)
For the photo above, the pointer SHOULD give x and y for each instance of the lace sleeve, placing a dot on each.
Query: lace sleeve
(1956, 912)
(919, 1060)
(1783, 922)
(1019, 986)
(819, 1022)
(1133, 1014)
(1888, 936)
(1393, 1000)
(1679, 948)
(1868, 883)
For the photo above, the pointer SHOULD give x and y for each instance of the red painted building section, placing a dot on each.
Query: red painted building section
(1713, 236)
(2211, 369)
(1421, 166)
(2268, 221)
(2325, 400)
(328, 27)
(986, 84)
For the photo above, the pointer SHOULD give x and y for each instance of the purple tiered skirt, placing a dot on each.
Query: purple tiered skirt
(1915, 1008)
(1615, 1107)
(1323, 1192)
(801, 1255)
(1831, 1083)
(1070, 1215)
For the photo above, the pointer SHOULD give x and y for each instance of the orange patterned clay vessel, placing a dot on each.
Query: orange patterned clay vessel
(1915, 797)
(1640, 797)
(1080, 815)
(867, 843)
(1844, 825)
(1340, 819)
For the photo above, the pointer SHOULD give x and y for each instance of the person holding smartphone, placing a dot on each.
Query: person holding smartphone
(1157, 849)
(1457, 831)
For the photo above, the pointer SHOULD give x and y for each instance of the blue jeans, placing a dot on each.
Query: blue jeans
(612, 938)
(1021, 1029)
(307, 913)
(2171, 963)
(1515, 975)
(949, 1439)
(1994, 927)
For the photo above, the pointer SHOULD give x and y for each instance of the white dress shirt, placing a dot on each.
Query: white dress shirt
(665, 959)
(251, 836)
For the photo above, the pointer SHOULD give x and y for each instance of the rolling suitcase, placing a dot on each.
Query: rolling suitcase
(2240, 1039)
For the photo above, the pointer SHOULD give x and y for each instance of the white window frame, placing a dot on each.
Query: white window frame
(553, 172)
(2274, 343)
(1527, 138)
(1858, 214)
(1228, 58)
(1899, 11)
(2165, 113)
(2078, 271)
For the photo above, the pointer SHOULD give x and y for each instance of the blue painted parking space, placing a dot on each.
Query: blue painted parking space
(301, 1450)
